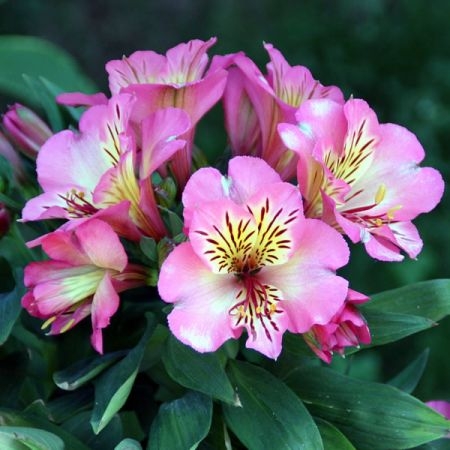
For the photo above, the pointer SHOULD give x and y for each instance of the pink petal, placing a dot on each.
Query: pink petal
(248, 176)
(62, 246)
(202, 299)
(104, 304)
(322, 119)
(101, 245)
(267, 340)
(205, 185)
(312, 293)
(241, 121)
(139, 68)
(81, 99)
(159, 138)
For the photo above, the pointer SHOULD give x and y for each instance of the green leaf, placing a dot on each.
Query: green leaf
(113, 387)
(108, 438)
(332, 438)
(10, 308)
(201, 372)
(128, 444)
(388, 327)
(37, 58)
(408, 378)
(148, 247)
(372, 415)
(270, 413)
(83, 371)
(181, 424)
(430, 299)
(31, 438)
(21, 419)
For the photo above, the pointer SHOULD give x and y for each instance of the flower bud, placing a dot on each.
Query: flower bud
(5, 220)
(26, 129)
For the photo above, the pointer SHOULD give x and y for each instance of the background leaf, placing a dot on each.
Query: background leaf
(113, 387)
(332, 438)
(407, 379)
(430, 299)
(371, 415)
(270, 413)
(10, 307)
(31, 438)
(202, 372)
(181, 424)
(38, 58)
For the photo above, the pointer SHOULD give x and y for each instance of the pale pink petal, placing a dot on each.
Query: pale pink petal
(104, 305)
(278, 213)
(202, 300)
(322, 119)
(386, 241)
(266, 339)
(101, 245)
(241, 121)
(81, 99)
(295, 84)
(196, 98)
(382, 248)
(62, 246)
(139, 68)
(205, 185)
(312, 293)
(248, 176)
(68, 160)
(187, 61)
(222, 232)
(160, 132)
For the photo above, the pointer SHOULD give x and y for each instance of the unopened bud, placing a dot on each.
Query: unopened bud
(26, 129)
(166, 192)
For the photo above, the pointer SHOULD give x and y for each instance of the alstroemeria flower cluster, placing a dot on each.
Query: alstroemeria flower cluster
(263, 242)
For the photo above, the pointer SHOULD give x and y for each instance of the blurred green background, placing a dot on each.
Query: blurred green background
(395, 54)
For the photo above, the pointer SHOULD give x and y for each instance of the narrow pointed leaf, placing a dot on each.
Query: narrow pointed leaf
(408, 378)
(181, 424)
(31, 438)
(36, 57)
(332, 437)
(430, 299)
(128, 444)
(372, 415)
(21, 419)
(113, 387)
(388, 327)
(83, 371)
(269, 412)
(10, 308)
(201, 372)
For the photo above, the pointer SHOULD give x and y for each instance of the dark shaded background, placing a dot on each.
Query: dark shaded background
(394, 54)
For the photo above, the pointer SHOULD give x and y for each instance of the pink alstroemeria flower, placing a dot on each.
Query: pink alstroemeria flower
(362, 177)
(87, 270)
(347, 328)
(93, 173)
(255, 104)
(179, 79)
(252, 262)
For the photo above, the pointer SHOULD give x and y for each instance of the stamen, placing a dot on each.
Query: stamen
(381, 193)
